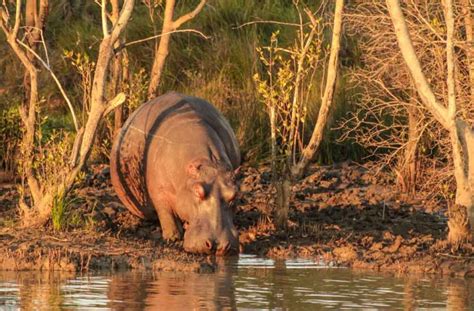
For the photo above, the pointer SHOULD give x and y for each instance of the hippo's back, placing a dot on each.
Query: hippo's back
(128, 160)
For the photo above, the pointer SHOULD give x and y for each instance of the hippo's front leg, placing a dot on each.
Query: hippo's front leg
(170, 226)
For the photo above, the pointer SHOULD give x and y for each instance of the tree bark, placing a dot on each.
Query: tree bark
(326, 102)
(411, 60)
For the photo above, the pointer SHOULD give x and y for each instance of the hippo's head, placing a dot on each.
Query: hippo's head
(207, 197)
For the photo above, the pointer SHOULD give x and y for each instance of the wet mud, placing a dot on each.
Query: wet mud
(341, 215)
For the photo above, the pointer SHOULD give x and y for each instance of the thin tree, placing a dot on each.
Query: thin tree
(460, 132)
(285, 88)
(119, 71)
(328, 97)
(387, 120)
(43, 194)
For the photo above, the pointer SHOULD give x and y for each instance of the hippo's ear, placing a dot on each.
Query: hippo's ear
(229, 193)
(199, 191)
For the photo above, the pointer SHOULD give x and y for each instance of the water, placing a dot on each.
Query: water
(248, 283)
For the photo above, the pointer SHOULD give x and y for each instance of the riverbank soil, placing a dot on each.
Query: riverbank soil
(343, 214)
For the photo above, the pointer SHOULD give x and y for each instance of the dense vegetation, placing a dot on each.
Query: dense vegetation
(230, 53)
(219, 68)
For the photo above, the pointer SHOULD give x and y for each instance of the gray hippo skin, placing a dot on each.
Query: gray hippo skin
(175, 158)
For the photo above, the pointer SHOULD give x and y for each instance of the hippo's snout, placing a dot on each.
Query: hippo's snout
(206, 244)
(209, 247)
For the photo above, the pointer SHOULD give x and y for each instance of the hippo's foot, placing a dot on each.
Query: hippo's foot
(171, 229)
(171, 235)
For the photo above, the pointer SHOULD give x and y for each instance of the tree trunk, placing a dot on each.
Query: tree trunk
(161, 53)
(163, 49)
(461, 135)
(326, 102)
(98, 103)
(117, 70)
(469, 26)
(461, 214)
(29, 108)
(459, 227)
(116, 79)
(282, 204)
(273, 142)
(408, 162)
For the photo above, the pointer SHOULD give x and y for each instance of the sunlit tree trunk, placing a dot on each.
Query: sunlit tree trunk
(328, 96)
(460, 133)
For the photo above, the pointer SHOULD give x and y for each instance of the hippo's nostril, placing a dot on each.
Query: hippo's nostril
(209, 244)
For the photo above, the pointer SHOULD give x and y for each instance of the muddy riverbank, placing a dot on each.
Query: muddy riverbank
(342, 215)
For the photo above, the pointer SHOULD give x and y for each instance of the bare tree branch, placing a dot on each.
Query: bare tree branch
(56, 80)
(160, 35)
(162, 50)
(268, 22)
(408, 52)
(187, 17)
(103, 11)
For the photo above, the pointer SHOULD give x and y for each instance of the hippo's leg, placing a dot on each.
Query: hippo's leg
(170, 226)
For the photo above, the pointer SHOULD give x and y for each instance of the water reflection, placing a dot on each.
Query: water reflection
(249, 283)
(175, 291)
(459, 295)
(32, 291)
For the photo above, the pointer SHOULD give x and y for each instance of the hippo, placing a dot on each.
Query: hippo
(175, 160)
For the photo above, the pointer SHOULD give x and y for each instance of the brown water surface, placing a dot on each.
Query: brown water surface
(246, 283)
